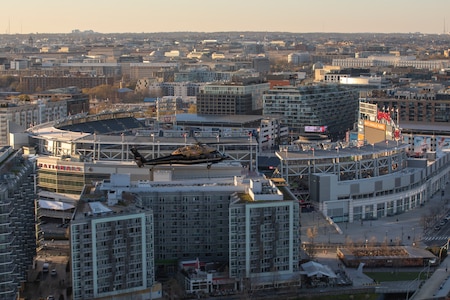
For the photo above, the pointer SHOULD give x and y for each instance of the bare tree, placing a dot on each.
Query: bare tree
(311, 232)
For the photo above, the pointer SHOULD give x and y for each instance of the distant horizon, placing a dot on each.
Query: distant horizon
(87, 31)
(285, 16)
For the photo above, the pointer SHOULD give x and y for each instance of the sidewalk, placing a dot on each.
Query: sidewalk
(438, 285)
(403, 229)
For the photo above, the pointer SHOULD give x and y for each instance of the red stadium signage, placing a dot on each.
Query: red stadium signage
(60, 167)
(383, 115)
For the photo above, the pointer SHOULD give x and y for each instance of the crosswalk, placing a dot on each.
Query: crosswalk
(436, 238)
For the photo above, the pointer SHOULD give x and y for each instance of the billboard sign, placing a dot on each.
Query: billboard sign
(319, 129)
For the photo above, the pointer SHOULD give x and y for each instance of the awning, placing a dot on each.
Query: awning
(315, 269)
(55, 205)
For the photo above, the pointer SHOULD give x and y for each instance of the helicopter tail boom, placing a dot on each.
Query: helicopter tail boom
(138, 158)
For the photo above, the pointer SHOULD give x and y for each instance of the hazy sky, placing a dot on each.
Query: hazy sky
(106, 16)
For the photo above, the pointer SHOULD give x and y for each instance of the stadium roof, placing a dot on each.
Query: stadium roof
(218, 119)
(435, 128)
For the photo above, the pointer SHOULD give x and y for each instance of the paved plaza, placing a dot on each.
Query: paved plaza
(403, 229)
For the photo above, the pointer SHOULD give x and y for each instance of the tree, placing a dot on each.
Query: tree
(192, 109)
(310, 249)
(424, 222)
(174, 289)
(9, 81)
(17, 86)
(24, 97)
(279, 65)
(103, 91)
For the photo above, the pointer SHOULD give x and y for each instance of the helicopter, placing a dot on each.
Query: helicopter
(197, 153)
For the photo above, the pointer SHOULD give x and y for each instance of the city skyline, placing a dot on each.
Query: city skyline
(347, 16)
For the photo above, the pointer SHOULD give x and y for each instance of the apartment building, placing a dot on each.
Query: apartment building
(162, 71)
(218, 219)
(18, 243)
(261, 64)
(107, 69)
(191, 216)
(396, 61)
(264, 237)
(299, 58)
(112, 251)
(236, 98)
(272, 131)
(331, 106)
(202, 75)
(26, 114)
(177, 89)
(31, 84)
(419, 103)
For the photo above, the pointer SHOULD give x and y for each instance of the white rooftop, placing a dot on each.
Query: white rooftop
(54, 205)
(98, 208)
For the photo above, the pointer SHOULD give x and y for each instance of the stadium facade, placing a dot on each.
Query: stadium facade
(81, 149)
(355, 183)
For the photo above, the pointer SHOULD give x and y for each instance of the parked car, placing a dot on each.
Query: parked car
(53, 272)
(45, 267)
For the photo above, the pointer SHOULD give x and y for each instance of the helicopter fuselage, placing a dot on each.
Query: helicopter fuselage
(174, 158)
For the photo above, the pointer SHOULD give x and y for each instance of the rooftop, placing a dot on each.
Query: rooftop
(218, 119)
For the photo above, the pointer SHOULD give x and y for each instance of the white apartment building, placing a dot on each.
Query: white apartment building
(175, 89)
(19, 64)
(28, 114)
(299, 58)
(112, 252)
(264, 238)
(271, 132)
(210, 94)
(151, 70)
(395, 61)
(204, 218)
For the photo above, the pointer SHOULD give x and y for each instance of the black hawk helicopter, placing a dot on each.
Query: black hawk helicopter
(197, 153)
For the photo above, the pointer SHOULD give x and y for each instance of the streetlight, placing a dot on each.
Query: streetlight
(427, 267)
(153, 145)
(402, 235)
